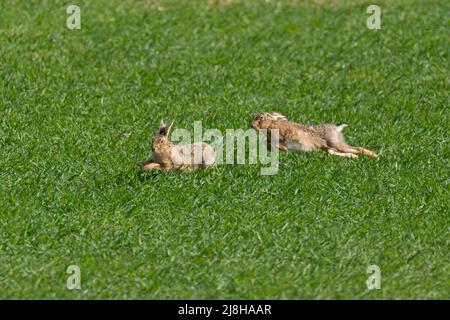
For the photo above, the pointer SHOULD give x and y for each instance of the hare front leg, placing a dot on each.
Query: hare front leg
(149, 165)
(274, 137)
(278, 146)
(152, 166)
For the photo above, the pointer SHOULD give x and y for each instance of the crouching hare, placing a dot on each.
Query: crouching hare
(299, 137)
(167, 156)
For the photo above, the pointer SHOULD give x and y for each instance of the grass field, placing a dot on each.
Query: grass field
(77, 108)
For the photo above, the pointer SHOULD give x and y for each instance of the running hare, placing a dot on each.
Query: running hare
(299, 137)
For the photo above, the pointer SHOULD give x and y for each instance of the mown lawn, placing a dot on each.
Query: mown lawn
(77, 108)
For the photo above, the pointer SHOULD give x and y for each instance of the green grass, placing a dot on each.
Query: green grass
(77, 108)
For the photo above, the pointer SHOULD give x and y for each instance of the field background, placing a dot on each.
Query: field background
(77, 109)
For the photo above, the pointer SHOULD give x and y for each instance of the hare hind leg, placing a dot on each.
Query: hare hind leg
(341, 154)
(359, 150)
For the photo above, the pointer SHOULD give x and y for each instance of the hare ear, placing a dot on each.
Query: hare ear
(162, 127)
(168, 127)
(278, 116)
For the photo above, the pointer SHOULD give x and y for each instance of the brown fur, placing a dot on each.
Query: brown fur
(167, 156)
(291, 135)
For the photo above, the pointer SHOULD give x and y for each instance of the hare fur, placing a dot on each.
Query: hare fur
(167, 156)
(299, 137)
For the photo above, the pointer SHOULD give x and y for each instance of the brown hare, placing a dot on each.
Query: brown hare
(299, 137)
(167, 156)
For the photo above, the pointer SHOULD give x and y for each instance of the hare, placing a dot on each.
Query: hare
(294, 136)
(167, 156)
